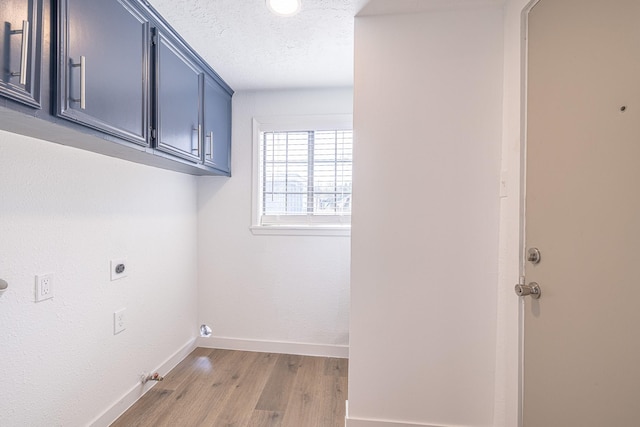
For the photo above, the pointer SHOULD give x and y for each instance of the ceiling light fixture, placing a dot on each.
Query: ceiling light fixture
(284, 7)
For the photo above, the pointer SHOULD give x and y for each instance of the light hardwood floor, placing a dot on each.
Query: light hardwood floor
(224, 388)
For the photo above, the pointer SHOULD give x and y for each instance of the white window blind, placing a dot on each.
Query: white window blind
(306, 176)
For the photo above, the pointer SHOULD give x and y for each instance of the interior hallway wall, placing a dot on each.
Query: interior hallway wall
(428, 124)
(69, 212)
(270, 293)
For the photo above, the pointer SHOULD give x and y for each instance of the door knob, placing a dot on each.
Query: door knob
(532, 289)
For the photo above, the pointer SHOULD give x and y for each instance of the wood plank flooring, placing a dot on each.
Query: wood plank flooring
(225, 388)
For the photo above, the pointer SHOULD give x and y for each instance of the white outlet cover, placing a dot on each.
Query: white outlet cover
(44, 287)
(119, 321)
(119, 268)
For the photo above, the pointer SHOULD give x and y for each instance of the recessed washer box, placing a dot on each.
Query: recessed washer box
(119, 268)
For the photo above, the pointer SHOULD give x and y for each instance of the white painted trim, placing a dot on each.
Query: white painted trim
(524, 76)
(283, 347)
(287, 230)
(508, 392)
(256, 203)
(304, 122)
(361, 422)
(370, 422)
(136, 392)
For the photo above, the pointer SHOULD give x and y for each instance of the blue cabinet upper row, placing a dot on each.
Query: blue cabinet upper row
(122, 72)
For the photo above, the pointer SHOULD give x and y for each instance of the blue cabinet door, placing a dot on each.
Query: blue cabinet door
(103, 67)
(178, 86)
(217, 125)
(21, 50)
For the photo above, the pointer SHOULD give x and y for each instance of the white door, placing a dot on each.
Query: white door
(581, 363)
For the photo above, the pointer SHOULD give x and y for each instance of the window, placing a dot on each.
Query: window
(303, 169)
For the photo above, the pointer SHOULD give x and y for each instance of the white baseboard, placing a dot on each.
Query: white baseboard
(304, 349)
(366, 422)
(361, 422)
(129, 398)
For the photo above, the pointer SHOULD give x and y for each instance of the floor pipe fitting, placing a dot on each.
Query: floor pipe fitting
(151, 377)
(156, 377)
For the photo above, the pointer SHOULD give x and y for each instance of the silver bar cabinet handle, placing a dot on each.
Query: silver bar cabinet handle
(83, 80)
(197, 149)
(24, 52)
(210, 137)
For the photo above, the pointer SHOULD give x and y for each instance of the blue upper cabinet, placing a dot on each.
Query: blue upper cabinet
(217, 124)
(192, 104)
(103, 67)
(21, 50)
(120, 76)
(177, 98)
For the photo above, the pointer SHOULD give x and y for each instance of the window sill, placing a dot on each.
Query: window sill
(301, 230)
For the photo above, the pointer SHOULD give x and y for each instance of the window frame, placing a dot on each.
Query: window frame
(283, 225)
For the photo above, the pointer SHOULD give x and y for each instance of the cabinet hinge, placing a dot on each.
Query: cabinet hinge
(153, 133)
(154, 40)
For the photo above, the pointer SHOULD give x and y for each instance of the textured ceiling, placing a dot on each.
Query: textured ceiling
(253, 49)
(384, 7)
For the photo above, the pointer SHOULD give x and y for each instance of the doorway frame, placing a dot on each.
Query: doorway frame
(508, 407)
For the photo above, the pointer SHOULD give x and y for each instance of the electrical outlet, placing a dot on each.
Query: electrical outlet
(44, 287)
(119, 321)
(119, 269)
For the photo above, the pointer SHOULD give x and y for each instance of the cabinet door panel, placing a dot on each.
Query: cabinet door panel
(217, 126)
(105, 51)
(178, 86)
(20, 50)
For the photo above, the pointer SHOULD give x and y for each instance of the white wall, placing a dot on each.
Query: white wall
(427, 121)
(69, 212)
(269, 293)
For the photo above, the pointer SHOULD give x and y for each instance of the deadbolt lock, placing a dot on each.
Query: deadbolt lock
(533, 255)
